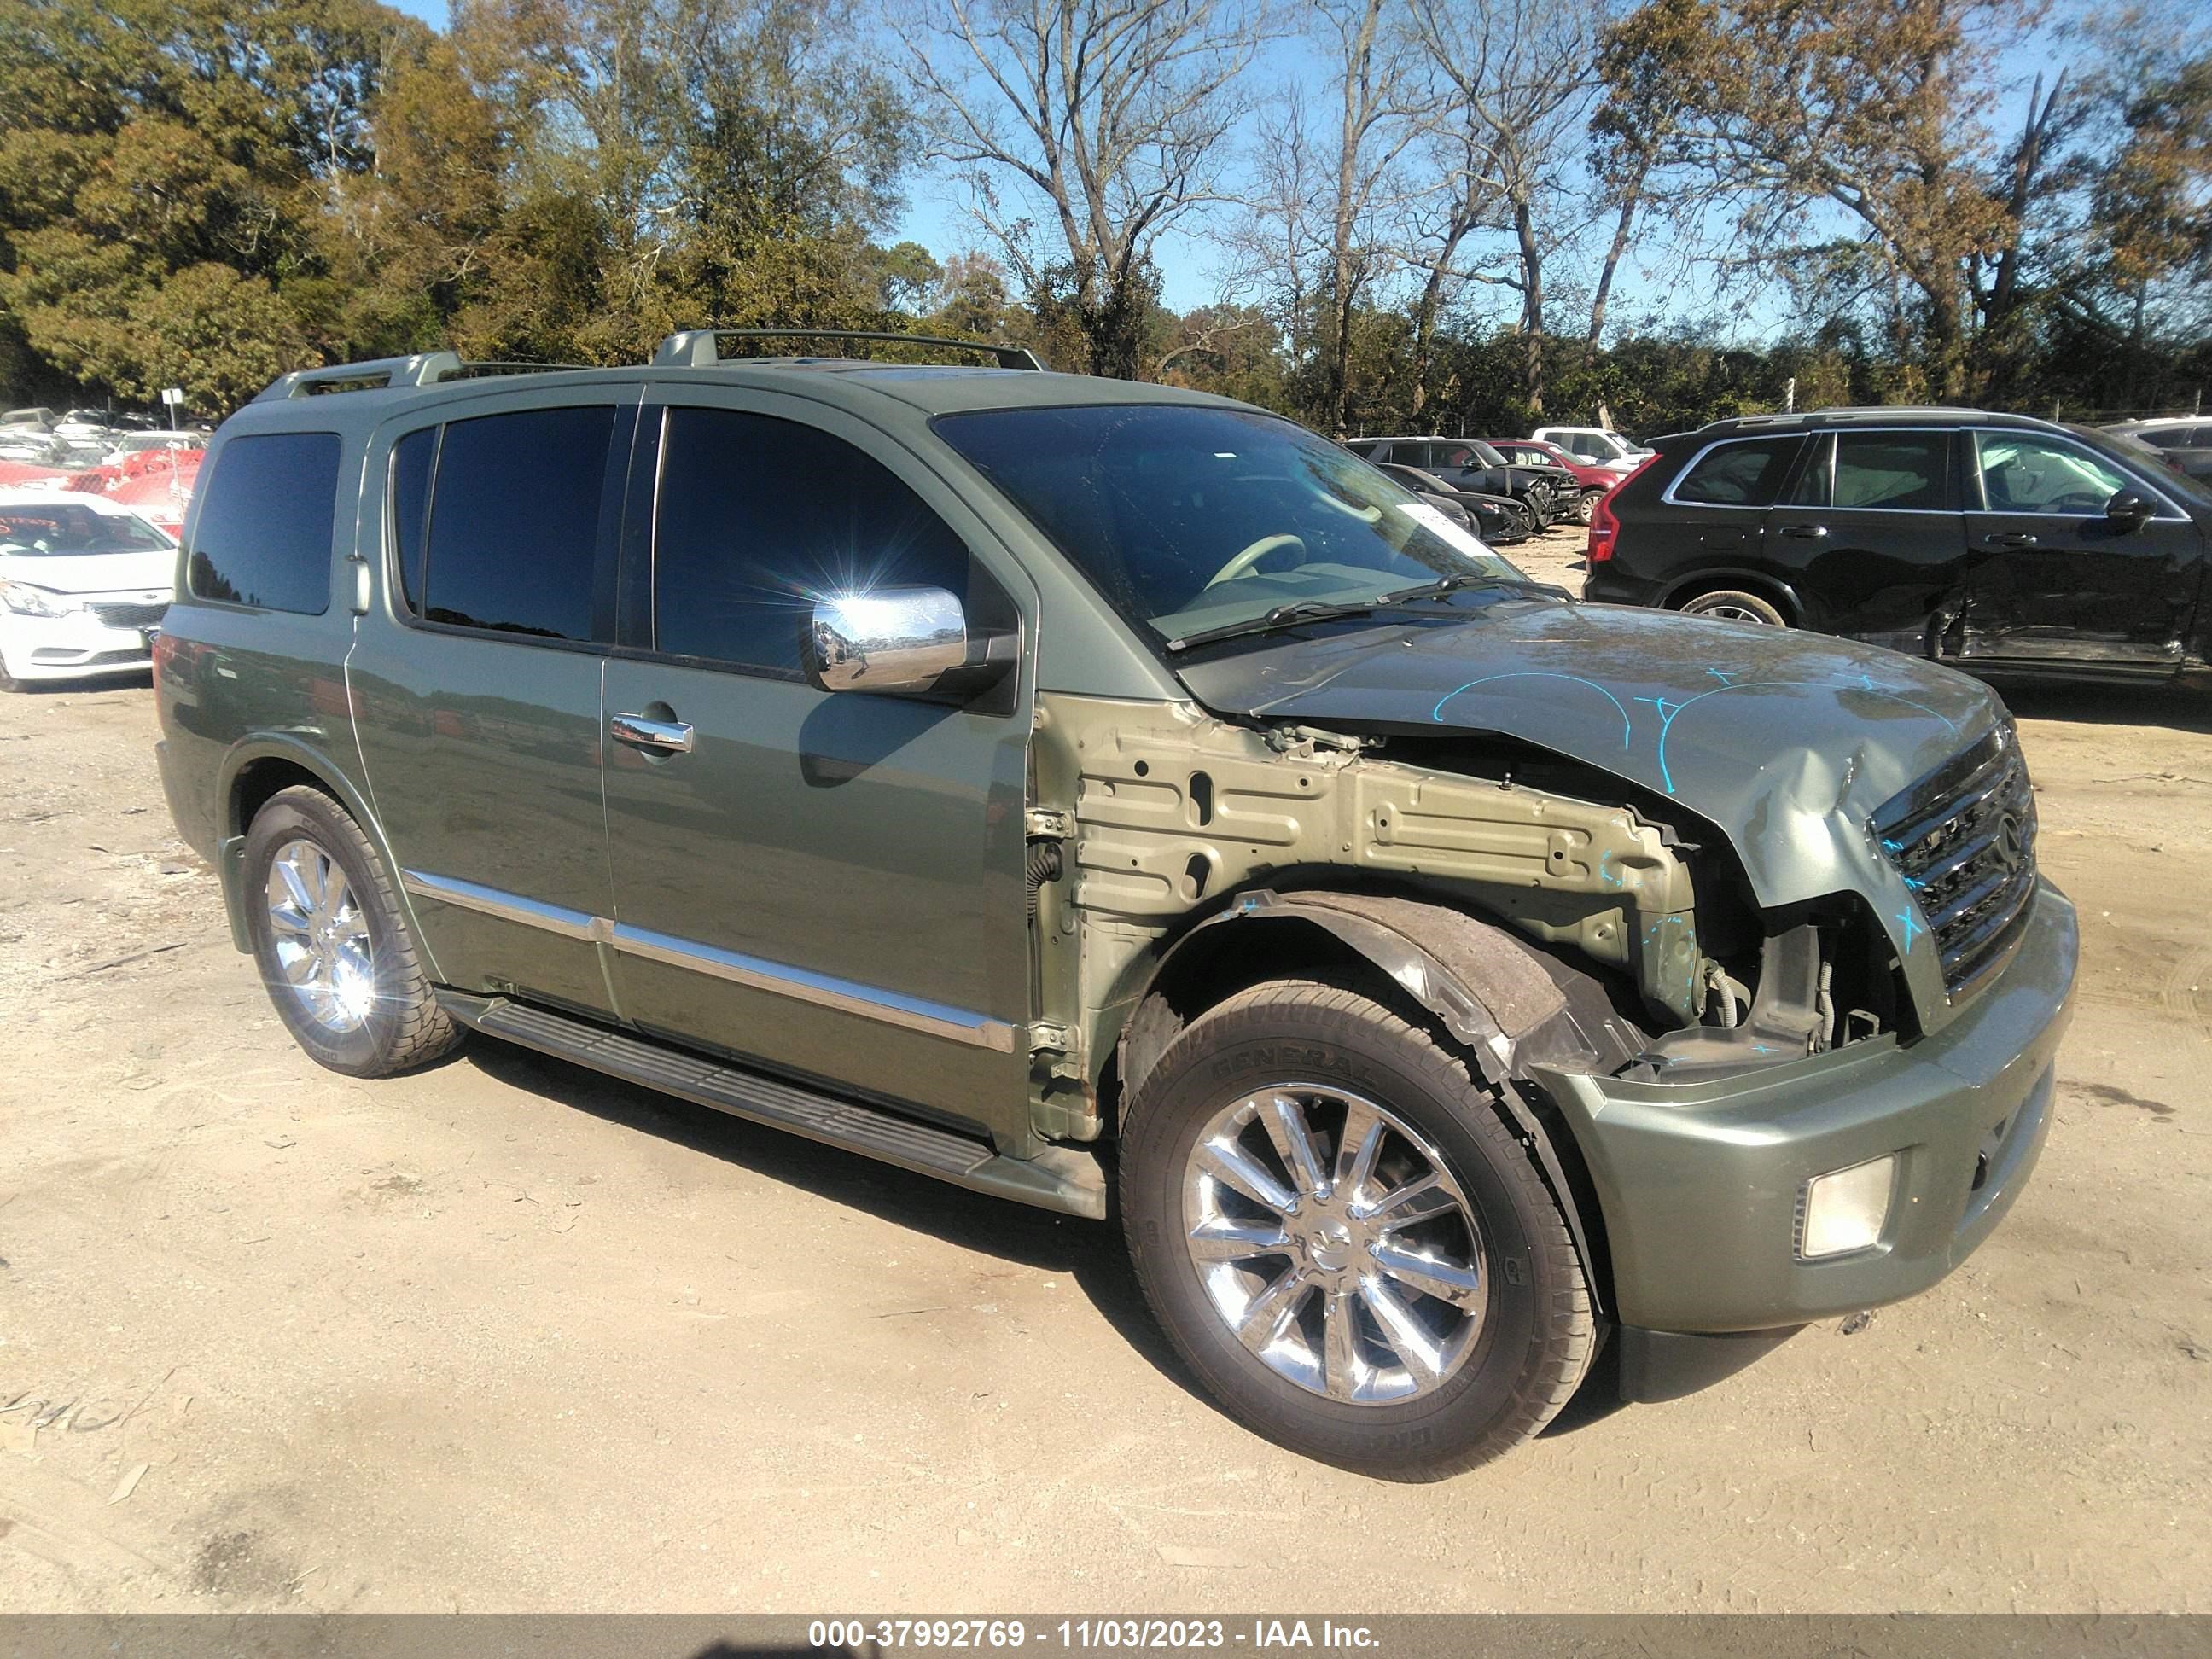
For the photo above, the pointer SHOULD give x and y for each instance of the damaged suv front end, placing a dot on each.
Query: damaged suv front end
(1788, 988)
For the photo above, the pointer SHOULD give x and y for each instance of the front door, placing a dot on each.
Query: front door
(2058, 581)
(475, 683)
(829, 884)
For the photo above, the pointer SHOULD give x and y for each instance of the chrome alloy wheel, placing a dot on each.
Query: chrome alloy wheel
(1335, 1244)
(321, 937)
(1726, 612)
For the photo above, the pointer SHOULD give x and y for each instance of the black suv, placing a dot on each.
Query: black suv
(2004, 544)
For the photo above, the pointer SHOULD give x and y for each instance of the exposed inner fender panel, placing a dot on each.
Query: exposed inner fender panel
(1511, 1005)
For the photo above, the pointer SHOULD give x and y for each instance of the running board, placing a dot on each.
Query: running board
(1063, 1178)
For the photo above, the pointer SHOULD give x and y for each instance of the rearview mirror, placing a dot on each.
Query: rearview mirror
(894, 640)
(2128, 510)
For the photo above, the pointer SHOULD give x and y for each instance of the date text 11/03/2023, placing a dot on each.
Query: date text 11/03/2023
(1091, 1635)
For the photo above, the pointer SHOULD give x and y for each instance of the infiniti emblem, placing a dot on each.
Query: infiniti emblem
(2010, 850)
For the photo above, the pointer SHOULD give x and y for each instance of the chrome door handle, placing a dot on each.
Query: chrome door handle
(635, 729)
(1807, 533)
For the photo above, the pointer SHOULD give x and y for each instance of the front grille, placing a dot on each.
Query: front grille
(1964, 840)
(128, 616)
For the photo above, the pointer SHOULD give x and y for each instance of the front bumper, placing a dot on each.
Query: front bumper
(74, 646)
(1699, 1181)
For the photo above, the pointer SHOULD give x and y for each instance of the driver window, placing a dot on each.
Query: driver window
(2029, 474)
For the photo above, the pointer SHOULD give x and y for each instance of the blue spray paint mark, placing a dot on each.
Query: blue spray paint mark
(1911, 926)
(1438, 712)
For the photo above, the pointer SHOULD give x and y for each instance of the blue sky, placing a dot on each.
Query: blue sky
(1190, 266)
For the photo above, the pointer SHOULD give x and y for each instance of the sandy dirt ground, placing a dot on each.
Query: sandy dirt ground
(505, 1336)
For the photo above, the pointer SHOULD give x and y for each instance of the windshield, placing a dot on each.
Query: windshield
(58, 530)
(1188, 519)
(2195, 492)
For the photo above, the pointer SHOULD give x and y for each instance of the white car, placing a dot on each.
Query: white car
(1595, 446)
(83, 584)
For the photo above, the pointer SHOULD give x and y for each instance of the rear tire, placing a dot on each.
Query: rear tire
(1348, 1357)
(1735, 604)
(333, 943)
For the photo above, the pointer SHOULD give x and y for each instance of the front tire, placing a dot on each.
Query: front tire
(1586, 503)
(1342, 1238)
(333, 943)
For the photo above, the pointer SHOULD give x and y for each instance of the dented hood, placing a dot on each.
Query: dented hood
(1788, 742)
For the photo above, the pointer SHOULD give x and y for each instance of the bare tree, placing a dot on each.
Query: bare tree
(1385, 98)
(1521, 71)
(1109, 116)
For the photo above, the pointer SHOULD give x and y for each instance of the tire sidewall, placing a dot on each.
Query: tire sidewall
(1249, 1052)
(299, 816)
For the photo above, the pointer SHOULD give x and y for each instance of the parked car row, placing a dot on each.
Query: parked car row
(84, 438)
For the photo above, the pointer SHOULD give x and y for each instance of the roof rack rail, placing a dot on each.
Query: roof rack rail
(423, 368)
(696, 348)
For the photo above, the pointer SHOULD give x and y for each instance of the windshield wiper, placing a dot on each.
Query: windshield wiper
(1453, 583)
(1283, 616)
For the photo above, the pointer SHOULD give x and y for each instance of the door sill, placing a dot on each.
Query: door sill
(1067, 1179)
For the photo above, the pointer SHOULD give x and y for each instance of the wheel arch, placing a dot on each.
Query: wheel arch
(254, 770)
(1490, 996)
(1710, 578)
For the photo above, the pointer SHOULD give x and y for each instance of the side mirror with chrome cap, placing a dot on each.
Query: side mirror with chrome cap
(2128, 510)
(898, 641)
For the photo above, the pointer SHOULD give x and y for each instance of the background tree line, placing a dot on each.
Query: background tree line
(1447, 215)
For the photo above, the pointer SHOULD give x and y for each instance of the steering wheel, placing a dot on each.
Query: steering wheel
(1252, 556)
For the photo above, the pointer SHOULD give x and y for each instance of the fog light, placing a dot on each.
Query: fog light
(1845, 1209)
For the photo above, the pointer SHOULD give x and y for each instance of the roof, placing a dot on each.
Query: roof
(344, 394)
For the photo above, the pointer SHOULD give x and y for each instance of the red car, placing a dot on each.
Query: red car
(1589, 482)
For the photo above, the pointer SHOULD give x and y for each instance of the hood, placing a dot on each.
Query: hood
(1787, 742)
(151, 571)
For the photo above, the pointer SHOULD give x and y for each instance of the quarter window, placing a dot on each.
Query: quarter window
(412, 459)
(759, 517)
(1739, 475)
(263, 534)
(2026, 474)
(514, 523)
(1902, 471)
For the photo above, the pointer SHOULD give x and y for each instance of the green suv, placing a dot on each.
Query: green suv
(1121, 800)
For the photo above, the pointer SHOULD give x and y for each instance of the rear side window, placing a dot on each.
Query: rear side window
(1903, 471)
(515, 524)
(263, 534)
(1739, 475)
(759, 516)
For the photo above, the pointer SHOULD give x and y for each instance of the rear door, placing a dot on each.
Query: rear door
(1870, 534)
(2056, 581)
(476, 685)
(829, 883)
(1724, 497)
